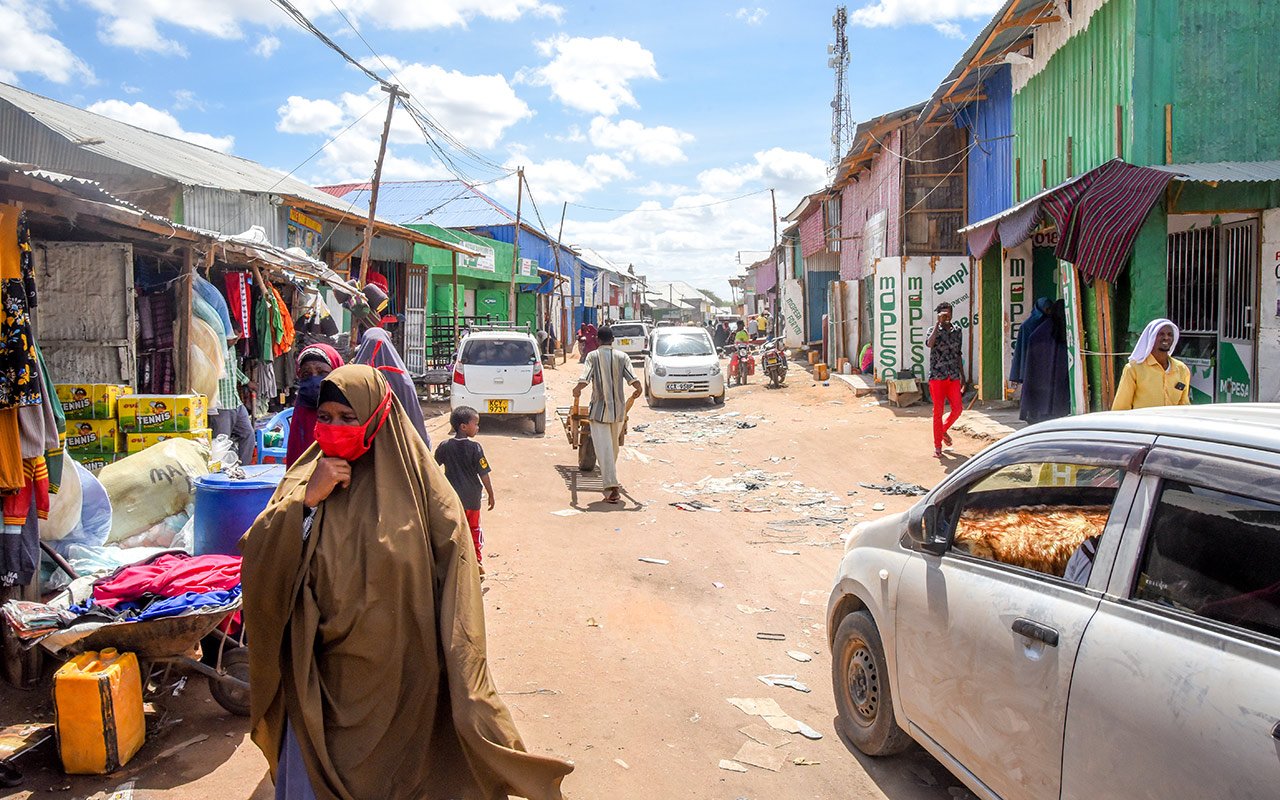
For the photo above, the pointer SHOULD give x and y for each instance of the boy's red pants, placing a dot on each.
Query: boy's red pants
(477, 534)
(945, 391)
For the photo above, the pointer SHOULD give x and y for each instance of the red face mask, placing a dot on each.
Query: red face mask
(349, 442)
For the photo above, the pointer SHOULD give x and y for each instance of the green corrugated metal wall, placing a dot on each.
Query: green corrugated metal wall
(1076, 96)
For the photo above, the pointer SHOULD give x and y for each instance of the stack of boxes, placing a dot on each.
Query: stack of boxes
(106, 422)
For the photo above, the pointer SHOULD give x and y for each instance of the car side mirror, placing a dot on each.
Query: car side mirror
(925, 530)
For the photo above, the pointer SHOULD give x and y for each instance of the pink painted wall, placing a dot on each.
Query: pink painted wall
(878, 188)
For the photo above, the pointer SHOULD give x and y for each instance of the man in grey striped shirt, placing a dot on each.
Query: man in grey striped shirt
(608, 371)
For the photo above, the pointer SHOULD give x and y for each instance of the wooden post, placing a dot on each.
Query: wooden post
(1168, 133)
(515, 245)
(1017, 180)
(1071, 171)
(1119, 131)
(1102, 294)
(1044, 174)
(564, 350)
(773, 201)
(182, 340)
(454, 301)
(367, 244)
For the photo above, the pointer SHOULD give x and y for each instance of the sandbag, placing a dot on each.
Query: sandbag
(156, 483)
(208, 357)
(64, 507)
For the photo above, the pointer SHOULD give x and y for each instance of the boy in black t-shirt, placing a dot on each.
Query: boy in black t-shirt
(467, 469)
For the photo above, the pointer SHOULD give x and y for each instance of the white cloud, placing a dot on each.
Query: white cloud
(775, 168)
(940, 14)
(153, 119)
(659, 189)
(185, 98)
(632, 140)
(558, 180)
(29, 46)
(592, 75)
(266, 46)
(302, 115)
(130, 89)
(752, 16)
(420, 15)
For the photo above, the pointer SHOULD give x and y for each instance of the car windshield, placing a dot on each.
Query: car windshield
(684, 344)
(620, 331)
(499, 353)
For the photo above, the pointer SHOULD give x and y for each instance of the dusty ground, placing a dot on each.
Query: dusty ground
(625, 666)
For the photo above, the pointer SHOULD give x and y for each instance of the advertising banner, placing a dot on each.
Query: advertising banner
(952, 281)
(1069, 283)
(1016, 303)
(486, 261)
(793, 313)
(907, 290)
(886, 306)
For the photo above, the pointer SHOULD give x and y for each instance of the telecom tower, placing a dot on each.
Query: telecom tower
(841, 116)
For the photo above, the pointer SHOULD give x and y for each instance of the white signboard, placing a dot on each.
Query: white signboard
(792, 313)
(887, 309)
(1069, 285)
(907, 290)
(1016, 303)
(486, 261)
(873, 240)
(528, 267)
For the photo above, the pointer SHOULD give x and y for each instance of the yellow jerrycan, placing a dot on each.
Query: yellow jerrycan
(98, 706)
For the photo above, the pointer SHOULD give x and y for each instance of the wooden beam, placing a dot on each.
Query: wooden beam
(961, 99)
(184, 288)
(1032, 17)
(1168, 133)
(1106, 337)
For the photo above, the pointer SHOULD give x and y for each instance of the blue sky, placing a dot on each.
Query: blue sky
(615, 105)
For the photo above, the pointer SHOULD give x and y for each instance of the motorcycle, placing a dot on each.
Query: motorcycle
(774, 359)
(741, 364)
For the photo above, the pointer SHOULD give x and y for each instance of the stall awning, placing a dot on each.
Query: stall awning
(1097, 215)
(1225, 171)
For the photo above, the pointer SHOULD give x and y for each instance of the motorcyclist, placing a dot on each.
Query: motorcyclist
(741, 335)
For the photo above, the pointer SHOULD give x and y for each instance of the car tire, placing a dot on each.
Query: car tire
(540, 423)
(650, 400)
(860, 679)
(718, 399)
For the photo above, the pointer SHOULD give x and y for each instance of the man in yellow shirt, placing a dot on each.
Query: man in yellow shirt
(1153, 377)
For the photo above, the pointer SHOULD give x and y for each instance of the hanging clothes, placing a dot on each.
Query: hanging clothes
(19, 380)
(1046, 386)
(239, 302)
(377, 351)
(20, 545)
(1039, 313)
(284, 340)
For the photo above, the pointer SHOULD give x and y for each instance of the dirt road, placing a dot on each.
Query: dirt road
(626, 667)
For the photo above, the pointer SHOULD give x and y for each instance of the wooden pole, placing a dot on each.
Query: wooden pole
(564, 350)
(1102, 294)
(367, 245)
(182, 341)
(1119, 131)
(774, 315)
(1071, 167)
(515, 245)
(454, 301)
(1168, 133)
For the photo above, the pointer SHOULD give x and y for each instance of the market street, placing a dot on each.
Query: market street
(623, 666)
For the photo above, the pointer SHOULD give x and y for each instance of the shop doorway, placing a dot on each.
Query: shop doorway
(415, 320)
(1213, 285)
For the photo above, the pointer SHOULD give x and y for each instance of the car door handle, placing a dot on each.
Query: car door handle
(1034, 630)
(1275, 731)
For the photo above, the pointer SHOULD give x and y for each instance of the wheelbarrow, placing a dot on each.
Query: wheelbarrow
(166, 645)
(577, 427)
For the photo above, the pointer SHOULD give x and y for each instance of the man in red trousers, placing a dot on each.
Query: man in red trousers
(945, 375)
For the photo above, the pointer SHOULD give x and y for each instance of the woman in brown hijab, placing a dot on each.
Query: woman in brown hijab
(363, 607)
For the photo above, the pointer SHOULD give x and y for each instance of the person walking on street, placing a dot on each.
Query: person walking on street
(1153, 377)
(946, 375)
(368, 673)
(609, 373)
(467, 470)
(588, 341)
(753, 327)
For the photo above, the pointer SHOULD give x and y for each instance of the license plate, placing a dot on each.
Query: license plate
(680, 387)
(624, 341)
(771, 359)
(499, 406)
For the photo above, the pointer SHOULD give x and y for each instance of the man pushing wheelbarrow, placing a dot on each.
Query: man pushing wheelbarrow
(609, 373)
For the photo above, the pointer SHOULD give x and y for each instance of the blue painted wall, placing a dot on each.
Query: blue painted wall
(990, 126)
(816, 296)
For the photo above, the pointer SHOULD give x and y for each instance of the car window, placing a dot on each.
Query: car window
(1043, 516)
(1214, 555)
(684, 344)
(620, 331)
(499, 353)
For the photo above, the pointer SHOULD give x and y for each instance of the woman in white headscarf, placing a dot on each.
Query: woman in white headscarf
(1153, 377)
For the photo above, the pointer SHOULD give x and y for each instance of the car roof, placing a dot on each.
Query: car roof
(679, 329)
(1255, 425)
(498, 335)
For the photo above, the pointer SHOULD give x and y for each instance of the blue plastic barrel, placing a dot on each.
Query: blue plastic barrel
(226, 508)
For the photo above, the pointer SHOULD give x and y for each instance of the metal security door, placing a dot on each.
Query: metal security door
(415, 318)
(86, 322)
(1238, 276)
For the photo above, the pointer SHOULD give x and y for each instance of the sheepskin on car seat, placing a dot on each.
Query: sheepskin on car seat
(1041, 538)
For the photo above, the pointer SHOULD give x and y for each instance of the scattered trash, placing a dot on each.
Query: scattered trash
(566, 512)
(802, 657)
(181, 746)
(632, 454)
(696, 717)
(807, 732)
(765, 735)
(530, 692)
(746, 425)
(772, 637)
(750, 610)
(787, 552)
(592, 623)
(717, 584)
(757, 755)
(621, 763)
(695, 505)
(648, 560)
(768, 709)
(787, 681)
(800, 761)
(894, 486)
(731, 766)
(878, 507)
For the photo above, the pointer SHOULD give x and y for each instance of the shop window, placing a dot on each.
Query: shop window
(1214, 555)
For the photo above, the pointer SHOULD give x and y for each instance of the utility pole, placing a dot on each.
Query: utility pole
(515, 245)
(367, 246)
(560, 285)
(777, 268)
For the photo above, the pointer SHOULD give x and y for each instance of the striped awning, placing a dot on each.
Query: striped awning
(1097, 214)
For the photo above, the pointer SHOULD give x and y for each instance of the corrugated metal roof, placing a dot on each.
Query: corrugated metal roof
(1225, 171)
(447, 203)
(188, 164)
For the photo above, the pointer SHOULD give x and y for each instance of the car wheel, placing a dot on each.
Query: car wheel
(650, 400)
(718, 399)
(860, 678)
(540, 423)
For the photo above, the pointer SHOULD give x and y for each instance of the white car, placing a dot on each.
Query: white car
(499, 373)
(631, 338)
(682, 365)
(1087, 610)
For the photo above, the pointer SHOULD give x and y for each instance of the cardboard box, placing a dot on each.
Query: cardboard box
(90, 400)
(137, 442)
(163, 413)
(92, 436)
(95, 462)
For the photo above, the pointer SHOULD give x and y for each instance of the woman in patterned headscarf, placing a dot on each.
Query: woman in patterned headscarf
(314, 363)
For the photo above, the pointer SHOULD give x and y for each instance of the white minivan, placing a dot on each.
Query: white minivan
(499, 373)
(632, 338)
(682, 365)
